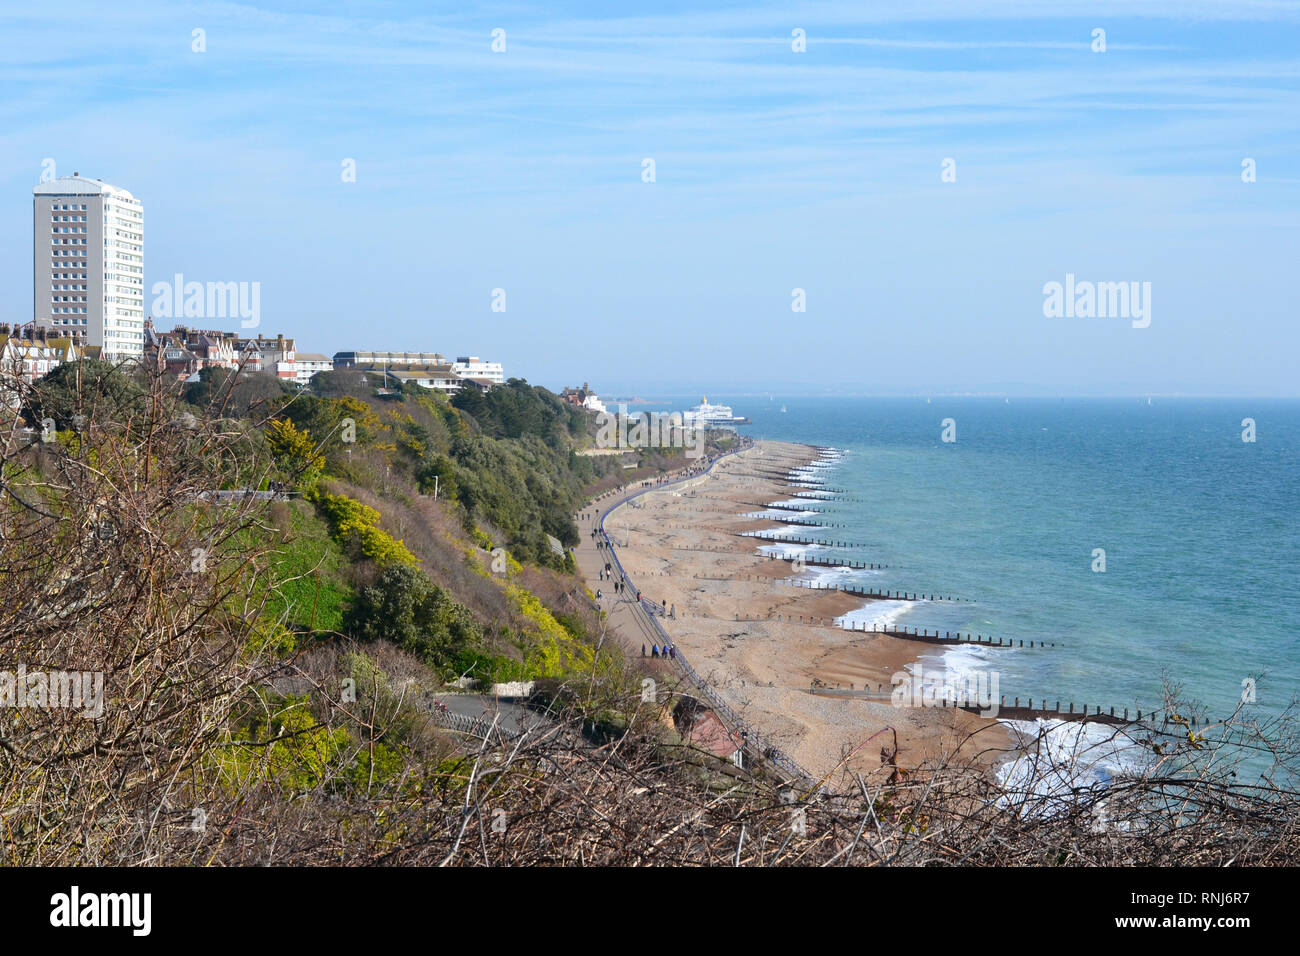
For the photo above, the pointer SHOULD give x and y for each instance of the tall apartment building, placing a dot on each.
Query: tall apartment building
(88, 264)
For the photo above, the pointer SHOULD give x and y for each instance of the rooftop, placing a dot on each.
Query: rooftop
(79, 186)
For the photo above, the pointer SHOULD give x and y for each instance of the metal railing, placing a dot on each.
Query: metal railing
(475, 726)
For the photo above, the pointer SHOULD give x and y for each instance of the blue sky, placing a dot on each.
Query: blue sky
(775, 170)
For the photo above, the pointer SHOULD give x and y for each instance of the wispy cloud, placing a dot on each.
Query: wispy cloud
(478, 169)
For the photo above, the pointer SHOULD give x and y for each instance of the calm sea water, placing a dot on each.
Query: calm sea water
(1200, 532)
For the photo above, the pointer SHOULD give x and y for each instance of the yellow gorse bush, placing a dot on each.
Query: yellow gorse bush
(357, 523)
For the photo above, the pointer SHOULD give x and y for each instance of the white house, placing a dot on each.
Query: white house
(307, 364)
(471, 366)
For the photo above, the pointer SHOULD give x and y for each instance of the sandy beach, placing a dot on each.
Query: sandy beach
(763, 643)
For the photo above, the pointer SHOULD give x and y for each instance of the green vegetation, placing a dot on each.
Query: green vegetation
(356, 526)
(311, 590)
(281, 742)
(287, 649)
(221, 392)
(557, 650)
(405, 607)
(77, 391)
(505, 460)
(300, 461)
(520, 410)
(504, 467)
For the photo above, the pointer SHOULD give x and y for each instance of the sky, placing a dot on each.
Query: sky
(921, 170)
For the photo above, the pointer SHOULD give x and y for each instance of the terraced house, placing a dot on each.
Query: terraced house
(26, 354)
(186, 352)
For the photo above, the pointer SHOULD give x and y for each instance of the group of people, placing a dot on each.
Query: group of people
(620, 586)
(661, 650)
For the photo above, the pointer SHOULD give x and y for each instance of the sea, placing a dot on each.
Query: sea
(1154, 541)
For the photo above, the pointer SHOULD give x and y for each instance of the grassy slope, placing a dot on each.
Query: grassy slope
(311, 570)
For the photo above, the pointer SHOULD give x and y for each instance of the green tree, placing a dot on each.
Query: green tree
(296, 456)
(444, 470)
(342, 382)
(96, 391)
(236, 394)
(405, 607)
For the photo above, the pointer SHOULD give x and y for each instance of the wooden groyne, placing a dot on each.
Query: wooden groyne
(764, 475)
(928, 636)
(867, 593)
(774, 539)
(1006, 711)
(1158, 722)
(830, 563)
(1014, 711)
(797, 521)
(775, 507)
(919, 634)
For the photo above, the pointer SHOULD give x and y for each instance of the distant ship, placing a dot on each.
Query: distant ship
(705, 415)
(782, 408)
